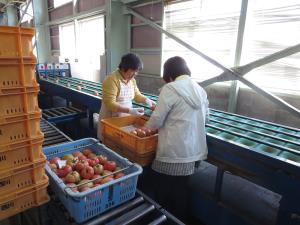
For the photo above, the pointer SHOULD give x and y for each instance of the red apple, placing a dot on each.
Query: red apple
(82, 157)
(119, 175)
(110, 165)
(97, 176)
(106, 180)
(54, 160)
(87, 151)
(87, 172)
(80, 165)
(93, 162)
(102, 159)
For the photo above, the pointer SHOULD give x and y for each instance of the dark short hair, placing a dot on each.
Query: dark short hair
(130, 61)
(174, 67)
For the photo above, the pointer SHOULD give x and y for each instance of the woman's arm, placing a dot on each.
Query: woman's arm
(163, 107)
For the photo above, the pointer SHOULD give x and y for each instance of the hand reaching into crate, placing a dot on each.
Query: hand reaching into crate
(150, 103)
(136, 111)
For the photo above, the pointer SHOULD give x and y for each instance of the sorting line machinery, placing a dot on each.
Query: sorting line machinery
(265, 153)
(52, 135)
(140, 210)
(63, 114)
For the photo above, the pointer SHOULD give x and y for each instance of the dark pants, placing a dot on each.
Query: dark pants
(171, 193)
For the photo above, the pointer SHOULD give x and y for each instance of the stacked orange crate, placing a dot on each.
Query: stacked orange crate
(23, 181)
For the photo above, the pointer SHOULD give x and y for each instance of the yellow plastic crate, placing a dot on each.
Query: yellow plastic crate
(21, 154)
(20, 201)
(17, 73)
(18, 101)
(20, 128)
(112, 129)
(23, 177)
(16, 42)
(142, 159)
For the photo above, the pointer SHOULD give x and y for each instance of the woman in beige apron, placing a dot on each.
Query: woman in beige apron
(124, 88)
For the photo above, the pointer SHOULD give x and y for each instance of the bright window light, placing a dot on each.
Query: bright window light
(67, 40)
(272, 26)
(58, 3)
(209, 26)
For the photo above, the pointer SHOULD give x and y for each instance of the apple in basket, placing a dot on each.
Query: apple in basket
(106, 172)
(98, 169)
(63, 171)
(102, 159)
(98, 177)
(77, 154)
(72, 162)
(93, 162)
(68, 157)
(72, 177)
(87, 151)
(54, 160)
(106, 180)
(85, 185)
(87, 172)
(82, 157)
(119, 175)
(72, 187)
(110, 166)
(80, 165)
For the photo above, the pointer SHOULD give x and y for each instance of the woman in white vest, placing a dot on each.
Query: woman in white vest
(119, 89)
(180, 117)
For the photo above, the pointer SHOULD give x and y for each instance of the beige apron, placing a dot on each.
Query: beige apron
(124, 99)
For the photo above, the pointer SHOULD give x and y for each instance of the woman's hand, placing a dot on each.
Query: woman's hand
(136, 111)
(150, 103)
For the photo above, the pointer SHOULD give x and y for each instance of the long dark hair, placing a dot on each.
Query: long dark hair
(174, 67)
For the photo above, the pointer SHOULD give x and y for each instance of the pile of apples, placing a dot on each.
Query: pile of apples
(145, 132)
(84, 170)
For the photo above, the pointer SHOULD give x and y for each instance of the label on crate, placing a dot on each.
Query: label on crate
(61, 163)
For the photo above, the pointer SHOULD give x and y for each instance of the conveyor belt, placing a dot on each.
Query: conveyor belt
(140, 210)
(63, 114)
(52, 135)
(275, 140)
(265, 153)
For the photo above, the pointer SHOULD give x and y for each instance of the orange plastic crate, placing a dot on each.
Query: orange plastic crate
(16, 42)
(112, 129)
(20, 128)
(17, 73)
(20, 201)
(21, 154)
(18, 101)
(142, 159)
(23, 177)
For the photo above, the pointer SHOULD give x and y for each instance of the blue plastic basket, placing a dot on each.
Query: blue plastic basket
(85, 205)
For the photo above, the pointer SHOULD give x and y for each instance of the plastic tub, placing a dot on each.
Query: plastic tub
(85, 205)
(112, 129)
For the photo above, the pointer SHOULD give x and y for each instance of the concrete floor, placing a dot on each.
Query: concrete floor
(241, 198)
